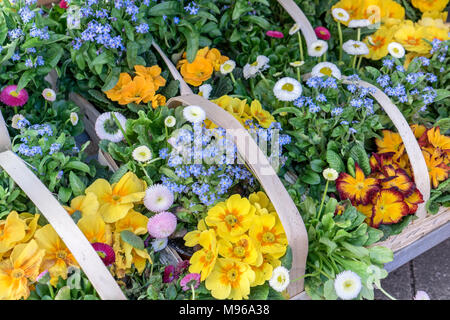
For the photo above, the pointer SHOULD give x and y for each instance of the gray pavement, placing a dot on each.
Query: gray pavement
(429, 272)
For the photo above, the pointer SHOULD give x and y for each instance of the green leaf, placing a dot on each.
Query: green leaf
(76, 184)
(63, 293)
(275, 295)
(317, 165)
(259, 292)
(331, 205)
(165, 9)
(192, 38)
(441, 94)
(360, 252)
(132, 239)
(286, 260)
(78, 165)
(310, 177)
(112, 79)
(24, 79)
(293, 110)
(132, 52)
(328, 221)
(328, 290)
(64, 194)
(260, 21)
(76, 216)
(240, 7)
(335, 161)
(381, 255)
(360, 156)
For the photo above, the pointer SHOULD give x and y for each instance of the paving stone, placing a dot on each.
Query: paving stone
(397, 284)
(432, 271)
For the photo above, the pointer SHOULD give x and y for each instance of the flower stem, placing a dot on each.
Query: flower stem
(121, 128)
(232, 78)
(50, 288)
(386, 294)
(300, 45)
(359, 34)
(359, 62)
(323, 199)
(298, 75)
(193, 291)
(340, 40)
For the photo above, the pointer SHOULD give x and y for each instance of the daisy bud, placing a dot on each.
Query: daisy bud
(162, 225)
(142, 154)
(347, 285)
(280, 279)
(49, 94)
(74, 118)
(170, 121)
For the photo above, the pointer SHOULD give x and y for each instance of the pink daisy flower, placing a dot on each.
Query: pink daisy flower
(162, 225)
(63, 4)
(189, 280)
(11, 98)
(105, 252)
(275, 34)
(322, 33)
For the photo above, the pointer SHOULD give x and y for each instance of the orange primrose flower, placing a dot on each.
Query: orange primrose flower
(358, 189)
(388, 207)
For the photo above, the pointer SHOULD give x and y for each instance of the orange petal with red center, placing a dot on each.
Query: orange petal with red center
(389, 207)
(413, 201)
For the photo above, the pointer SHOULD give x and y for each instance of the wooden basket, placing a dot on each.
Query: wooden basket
(57, 216)
(425, 223)
(248, 149)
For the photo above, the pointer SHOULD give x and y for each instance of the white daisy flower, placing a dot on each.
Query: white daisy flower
(294, 29)
(297, 64)
(15, 119)
(280, 279)
(170, 121)
(330, 174)
(142, 154)
(396, 50)
(347, 285)
(355, 48)
(205, 90)
(340, 14)
(251, 70)
(227, 67)
(74, 118)
(194, 114)
(107, 129)
(49, 94)
(158, 198)
(287, 89)
(421, 295)
(360, 23)
(326, 69)
(317, 48)
(159, 244)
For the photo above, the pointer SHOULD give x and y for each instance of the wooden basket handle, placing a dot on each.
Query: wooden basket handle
(57, 216)
(263, 171)
(300, 19)
(412, 147)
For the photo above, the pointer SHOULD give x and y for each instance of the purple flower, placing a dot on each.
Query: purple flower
(169, 274)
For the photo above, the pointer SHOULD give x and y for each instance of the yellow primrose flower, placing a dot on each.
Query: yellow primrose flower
(378, 43)
(203, 261)
(429, 5)
(230, 280)
(134, 221)
(21, 268)
(152, 74)
(87, 205)
(243, 250)
(435, 15)
(232, 217)
(412, 38)
(264, 117)
(192, 238)
(261, 202)
(264, 271)
(31, 221)
(12, 231)
(57, 256)
(268, 232)
(116, 200)
(95, 229)
(127, 255)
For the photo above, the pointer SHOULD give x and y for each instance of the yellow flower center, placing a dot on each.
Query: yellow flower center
(239, 251)
(49, 94)
(396, 50)
(288, 87)
(340, 14)
(356, 45)
(61, 255)
(318, 48)
(209, 255)
(231, 220)
(326, 71)
(280, 279)
(14, 94)
(268, 237)
(254, 64)
(360, 186)
(232, 275)
(348, 284)
(17, 273)
(115, 197)
(227, 67)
